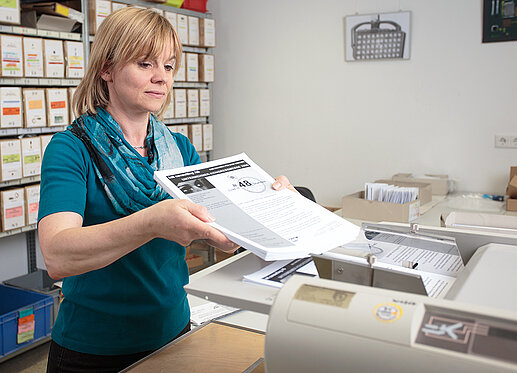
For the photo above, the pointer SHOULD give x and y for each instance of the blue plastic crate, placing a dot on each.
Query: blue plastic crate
(12, 301)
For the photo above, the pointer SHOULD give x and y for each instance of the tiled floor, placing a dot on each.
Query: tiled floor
(32, 361)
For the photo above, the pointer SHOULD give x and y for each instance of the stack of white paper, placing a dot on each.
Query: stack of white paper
(389, 193)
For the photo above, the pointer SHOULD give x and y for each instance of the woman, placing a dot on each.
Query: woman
(104, 226)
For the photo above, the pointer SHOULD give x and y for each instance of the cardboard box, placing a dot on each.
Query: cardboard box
(511, 191)
(193, 30)
(10, 12)
(180, 103)
(172, 128)
(116, 6)
(182, 29)
(192, 103)
(31, 156)
(183, 129)
(173, 19)
(206, 68)
(194, 260)
(57, 9)
(181, 75)
(11, 53)
(356, 207)
(169, 112)
(33, 57)
(12, 209)
(47, 22)
(98, 10)
(208, 137)
(10, 107)
(57, 106)
(439, 183)
(34, 107)
(207, 32)
(195, 135)
(74, 57)
(11, 160)
(191, 64)
(31, 204)
(425, 192)
(204, 102)
(54, 58)
(44, 139)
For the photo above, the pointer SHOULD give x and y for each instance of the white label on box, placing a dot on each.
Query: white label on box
(180, 103)
(35, 108)
(196, 136)
(74, 59)
(192, 67)
(208, 142)
(10, 12)
(172, 19)
(13, 209)
(33, 57)
(182, 29)
(181, 75)
(169, 112)
(57, 106)
(54, 58)
(207, 73)
(183, 129)
(11, 158)
(32, 204)
(117, 6)
(208, 32)
(193, 103)
(102, 10)
(31, 156)
(10, 107)
(45, 139)
(12, 55)
(204, 102)
(193, 30)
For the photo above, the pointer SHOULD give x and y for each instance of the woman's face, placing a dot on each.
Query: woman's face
(141, 86)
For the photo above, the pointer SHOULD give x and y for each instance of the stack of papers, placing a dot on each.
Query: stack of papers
(209, 311)
(389, 193)
(274, 225)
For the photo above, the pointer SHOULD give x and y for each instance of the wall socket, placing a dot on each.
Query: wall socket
(505, 141)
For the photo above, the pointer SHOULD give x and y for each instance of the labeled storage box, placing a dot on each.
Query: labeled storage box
(44, 139)
(354, 206)
(98, 10)
(12, 202)
(439, 183)
(425, 192)
(31, 204)
(191, 65)
(11, 160)
(10, 12)
(181, 75)
(173, 19)
(207, 32)
(10, 107)
(35, 111)
(74, 55)
(57, 106)
(193, 30)
(182, 29)
(31, 156)
(116, 6)
(11, 53)
(169, 112)
(195, 135)
(204, 102)
(180, 103)
(54, 58)
(183, 129)
(33, 57)
(193, 103)
(206, 67)
(208, 137)
(24, 318)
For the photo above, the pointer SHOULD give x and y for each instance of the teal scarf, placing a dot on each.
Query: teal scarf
(126, 176)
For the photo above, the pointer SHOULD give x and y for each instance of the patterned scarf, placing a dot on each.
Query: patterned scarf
(125, 175)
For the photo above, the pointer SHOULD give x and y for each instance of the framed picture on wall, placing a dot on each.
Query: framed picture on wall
(380, 36)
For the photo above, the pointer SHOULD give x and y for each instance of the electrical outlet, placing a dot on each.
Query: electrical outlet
(502, 141)
(513, 142)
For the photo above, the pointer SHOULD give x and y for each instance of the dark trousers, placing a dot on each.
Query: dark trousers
(63, 360)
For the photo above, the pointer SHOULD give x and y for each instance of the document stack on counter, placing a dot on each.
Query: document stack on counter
(274, 225)
(389, 193)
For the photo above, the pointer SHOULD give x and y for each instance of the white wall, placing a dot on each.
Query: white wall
(285, 95)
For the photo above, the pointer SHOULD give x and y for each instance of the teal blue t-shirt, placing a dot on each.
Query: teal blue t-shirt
(136, 303)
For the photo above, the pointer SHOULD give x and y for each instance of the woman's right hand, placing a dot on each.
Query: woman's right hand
(183, 221)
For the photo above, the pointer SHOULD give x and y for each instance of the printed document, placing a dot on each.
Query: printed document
(274, 225)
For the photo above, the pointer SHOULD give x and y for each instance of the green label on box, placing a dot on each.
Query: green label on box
(9, 4)
(24, 337)
(10, 158)
(31, 158)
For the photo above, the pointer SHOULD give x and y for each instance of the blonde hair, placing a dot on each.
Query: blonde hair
(123, 37)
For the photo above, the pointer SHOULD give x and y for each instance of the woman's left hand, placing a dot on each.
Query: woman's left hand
(282, 182)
